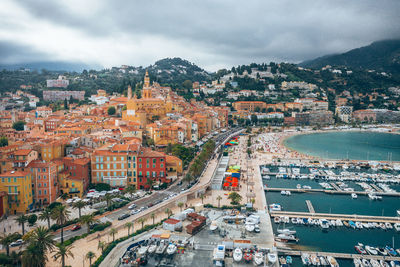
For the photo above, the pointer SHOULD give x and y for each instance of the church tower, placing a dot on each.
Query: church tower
(146, 92)
(129, 92)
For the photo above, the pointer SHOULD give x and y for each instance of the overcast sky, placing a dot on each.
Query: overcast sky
(211, 33)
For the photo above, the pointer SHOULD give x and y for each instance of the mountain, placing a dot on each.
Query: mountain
(50, 66)
(381, 56)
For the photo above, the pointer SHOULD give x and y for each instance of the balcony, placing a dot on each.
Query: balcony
(14, 193)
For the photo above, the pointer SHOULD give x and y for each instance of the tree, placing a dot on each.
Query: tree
(180, 205)
(129, 225)
(187, 84)
(169, 148)
(131, 189)
(79, 205)
(202, 196)
(142, 220)
(40, 242)
(101, 245)
(153, 216)
(32, 219)
(102, 187)
(113, 232)
(90, 255)
(3, 141)
(45, 215)
(63, 252)
(21, 220)
(18, 125)
(5, 241)
(111, 110)
(149, 182)
(219, 198)
(87, 220)
(235, 198)
(61, 215)
(108, 199)
(168, 212)
(65, 104)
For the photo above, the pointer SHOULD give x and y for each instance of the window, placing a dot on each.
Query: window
(161, 174)
(140, 159)
(44, 170)
(115, 165)
(39, 185)
(148, 160)
(154, 174)
(114, 158)
(140, 173)
(134, 179)
(108, 165)
(148, 174)
(44, 176)
(140, 166)
(122, 158)
(147, 165)
(108, 158)
(97, 166)
(101, 166)
(154, 160)
(162, 165)
(154, 165)
(134, 173)
(40, 192)
(122, 166)
(161, 160)
(44, 184)
(115, 173)
(122, 173)
(45, 192)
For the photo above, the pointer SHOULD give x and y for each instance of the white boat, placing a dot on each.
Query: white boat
(250, 227)
(324, 223)
(237, 254)
(339, 222)
(299, 187)
(397, 227)
(171, 249)
(388, 225)
(357, 262)
(353, 195)
(287, 231)
(152, 248)
(213, 226)
(258, 258)
(272, 257)
(142, 250)
(365, 263)
(332, 261)
(275, 207)
(398, 212)
(305, 258)
(161, 248)
(384, 263)
(374, 263)
(371, 250)
(323, 261)
(287, 237)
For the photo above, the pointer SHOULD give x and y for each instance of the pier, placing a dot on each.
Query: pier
(338, 255)
(310, 206)
(329, 216)
(377, 188)
(302, 190)
(336, 187)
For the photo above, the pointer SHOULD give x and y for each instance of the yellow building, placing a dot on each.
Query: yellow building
(146, 108)
(173, 166)
(53, 150)
(71, 186)
(18, 186)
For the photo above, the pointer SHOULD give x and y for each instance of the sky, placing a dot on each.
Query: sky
(213, 34)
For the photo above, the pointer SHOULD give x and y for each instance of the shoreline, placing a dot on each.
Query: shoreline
(304, 155)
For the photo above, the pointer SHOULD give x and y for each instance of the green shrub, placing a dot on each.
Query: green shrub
(55, 227)
(54, 204)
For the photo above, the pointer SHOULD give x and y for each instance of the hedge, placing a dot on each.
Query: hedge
(99, 227)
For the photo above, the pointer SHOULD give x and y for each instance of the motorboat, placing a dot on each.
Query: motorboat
(275, 207)
(161, 248)
(397, 227)
(324, 223)
(352, 224)
(384, 263)
(382, 251)
(323, 261)
(365, 263)
(272, 257)
(339, 222)
(258, 258)
(354, 195)
(289, 259)
(371, 250)
(250, 227)
(305, 258)
(332, 261)
(171, 249)
(388, 225)
(391, 251)
(346, 224)
(152, 248)
(360, 249)
(359, 225)
(277, 220)
(285, 237)
(237, 254)
(374, 263)
(286, 231)
(248, 256)
(213, 226)
(256, 228)
(282, 261)
(357, 262)
(142, 250)
(315, 260)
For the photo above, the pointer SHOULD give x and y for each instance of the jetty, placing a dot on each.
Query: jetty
(336, 187)
(310, 206)
(338, 255)
(303, 190)
(345, 217)
(377, 188)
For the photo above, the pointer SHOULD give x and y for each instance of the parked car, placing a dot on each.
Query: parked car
(123, 216)
(94, 225)
(17, 243)
(76, 227)
(131, 207)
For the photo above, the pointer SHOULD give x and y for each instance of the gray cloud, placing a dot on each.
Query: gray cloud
(11, 52)
(226, 32)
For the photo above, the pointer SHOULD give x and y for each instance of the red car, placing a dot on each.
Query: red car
(76, 227)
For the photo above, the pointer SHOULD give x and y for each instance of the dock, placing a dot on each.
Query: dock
(329, 216)
(377, 188)
(310, 206)
(338, 255)
(336, 187)
(302, 190)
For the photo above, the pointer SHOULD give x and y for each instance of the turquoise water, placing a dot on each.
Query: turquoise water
(351, 145)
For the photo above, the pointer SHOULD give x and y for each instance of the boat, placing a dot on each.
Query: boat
(323, 261)
(315, 260)
(398, 212)
(277, 220)
(305, 258)
(357, 262)
(391, 251)
(397, 227)
(237, 254)
(371, 250)
(346, 224)
(248, 256)
(384, 263)
(339, 222)
(250, 227)
(286, 231)
(282, 261)
(359, 225)
(365, 263)
(272, 257)
(360, 249)
(374, 263)
(354, 195)
(258, 258)
(171, 249)
(213, 226)
(332, 261)
(382, 251)
(152, 248)
(352, 224)
(275, 207)
(142, 250)
(388, 225)
(289, 260)
(285, 237)
(299, 187)
(161, 248)
(324, 223)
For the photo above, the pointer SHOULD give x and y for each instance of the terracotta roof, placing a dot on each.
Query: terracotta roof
(22, 152)
(147, 152)
(14, 174)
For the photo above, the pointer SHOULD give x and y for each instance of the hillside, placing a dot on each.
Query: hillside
(380, 56)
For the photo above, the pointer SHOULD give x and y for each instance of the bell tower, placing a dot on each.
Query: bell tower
(146, 92)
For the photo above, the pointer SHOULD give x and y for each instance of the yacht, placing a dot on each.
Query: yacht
(332, 261)
(258, 258)
(371, 250)
(353, 195)
(213, 226)
(397, 227)
(305, 258)
(142, 250)
(360, 249)
(171, 249)
(237, 255)
(272, 257)
(287, 231)
(161, 248)
(323, 261)
(285, 237)
(324, 223)
(275, 207)
(152, 248)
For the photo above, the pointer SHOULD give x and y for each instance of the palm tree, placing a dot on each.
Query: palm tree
(235, 198)
(63, 252)
(90, 255)
(101, 245)
(5, 241)
(168, 212)
(129, 225)
(40, 241)
(46, 216)
(88, 220)
(142, 220)
(219, 198)
(108, 199)
(131, 189)
(79, 205)
(202, 196)
(149, 182)
(16, 258)
(33, 257)
(153, 216)
(113, 232)
(21, 220)
(180, 205)
(61, 215)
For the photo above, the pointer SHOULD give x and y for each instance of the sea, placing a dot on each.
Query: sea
(353, 145)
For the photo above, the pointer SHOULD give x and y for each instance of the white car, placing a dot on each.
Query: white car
(17, 243)
(131, 207)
